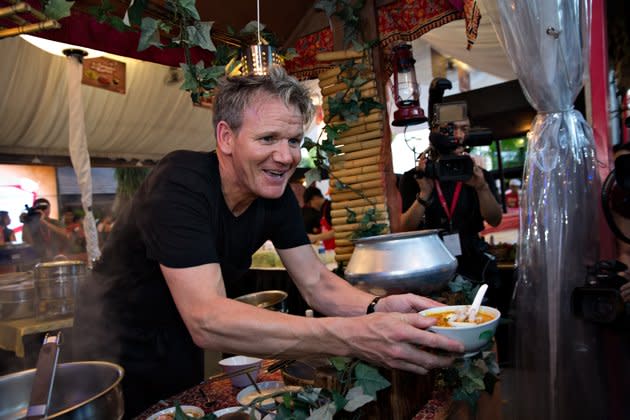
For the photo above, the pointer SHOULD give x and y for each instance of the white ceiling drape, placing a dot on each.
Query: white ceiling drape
(150, 120)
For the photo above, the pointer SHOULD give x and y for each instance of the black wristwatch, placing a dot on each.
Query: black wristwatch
(372, 306)
(424, 203)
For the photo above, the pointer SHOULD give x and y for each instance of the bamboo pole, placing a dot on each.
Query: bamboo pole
(359, 178)
(344, 250)
(365, 128)
(338, 55)
(333, 80)
(366, 145)
(27, 29)
(343, 257)
(373, 160)
(343, 243)
(357, 154)
(346, 138)
(364, 119)
(343, 195)
(372, 183)
(368, 93)
(333, 72)
(342, 225)
(340, 87)
(337, 119)
(357, 203)
(358, 210)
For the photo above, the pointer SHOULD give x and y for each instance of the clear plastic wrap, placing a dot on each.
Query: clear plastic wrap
(556, 366)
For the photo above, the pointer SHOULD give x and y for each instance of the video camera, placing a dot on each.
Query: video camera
(445, 165)
(599, 300)
(33, 213)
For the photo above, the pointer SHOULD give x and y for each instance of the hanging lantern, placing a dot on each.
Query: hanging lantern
(406, 91)
(258, 59)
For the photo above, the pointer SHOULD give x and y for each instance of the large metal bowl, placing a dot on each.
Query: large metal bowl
(82, 390)
(417, 262)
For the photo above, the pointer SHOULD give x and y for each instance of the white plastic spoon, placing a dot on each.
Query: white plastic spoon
(474, 308)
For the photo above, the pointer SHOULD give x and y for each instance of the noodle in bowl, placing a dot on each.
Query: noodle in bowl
(474, 335)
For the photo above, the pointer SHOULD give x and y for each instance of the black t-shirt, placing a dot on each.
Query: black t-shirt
(467, 219)
(178, 218)
(312, 219)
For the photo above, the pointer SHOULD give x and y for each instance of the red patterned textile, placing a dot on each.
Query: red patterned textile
(306, 66)
(472, 16)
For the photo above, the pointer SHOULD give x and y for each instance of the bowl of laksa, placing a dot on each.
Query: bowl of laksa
(451, 321)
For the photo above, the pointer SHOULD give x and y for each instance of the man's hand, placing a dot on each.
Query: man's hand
(477, 181)
(408, 302)
(425, 183)
(625, 292)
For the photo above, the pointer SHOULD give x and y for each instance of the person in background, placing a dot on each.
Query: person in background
(459, 208)
(513, 194)
(74, 229)
(317, 219)
(104, 227)
(47, 236)
(157, 296)
(7, 235)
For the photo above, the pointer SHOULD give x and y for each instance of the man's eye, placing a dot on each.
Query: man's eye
(295, 142)
(267, 139)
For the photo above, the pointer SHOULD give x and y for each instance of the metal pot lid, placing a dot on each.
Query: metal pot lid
(17, 292)
(58, 268)
(396, 236)
(13, 278)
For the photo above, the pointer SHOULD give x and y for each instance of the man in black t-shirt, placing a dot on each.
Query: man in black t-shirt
(157, 296)
(459, 208)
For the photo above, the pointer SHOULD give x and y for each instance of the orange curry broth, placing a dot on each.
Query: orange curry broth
(442, 318)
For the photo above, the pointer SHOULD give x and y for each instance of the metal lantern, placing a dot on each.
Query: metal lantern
(258, 59)
(406, 91)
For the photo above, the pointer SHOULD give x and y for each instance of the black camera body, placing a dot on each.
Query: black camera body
(448, 168)
(32, 214)
(599, 300)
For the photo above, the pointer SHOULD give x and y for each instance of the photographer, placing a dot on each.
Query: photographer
(47, 236)
(459, 207)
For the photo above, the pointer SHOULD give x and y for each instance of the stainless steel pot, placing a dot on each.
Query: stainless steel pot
(274, 300)
(416, 262)
(82, 390)
(17, 296)
(57, 283)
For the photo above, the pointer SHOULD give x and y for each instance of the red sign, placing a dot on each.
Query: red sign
(104, 73)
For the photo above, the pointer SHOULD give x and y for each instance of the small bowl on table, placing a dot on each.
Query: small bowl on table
(474, 336)
(234, 363)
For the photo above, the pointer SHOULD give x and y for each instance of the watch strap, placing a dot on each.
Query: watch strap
(424, 203)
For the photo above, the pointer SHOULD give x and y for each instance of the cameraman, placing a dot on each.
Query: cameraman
(458, 207)
(47, 236)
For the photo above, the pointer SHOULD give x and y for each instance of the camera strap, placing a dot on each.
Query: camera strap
(451, 211)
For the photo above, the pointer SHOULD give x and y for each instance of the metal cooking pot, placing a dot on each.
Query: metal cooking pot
(82, 390)
(57, 283)
(416, 262)
(274, 300)
(17, 296)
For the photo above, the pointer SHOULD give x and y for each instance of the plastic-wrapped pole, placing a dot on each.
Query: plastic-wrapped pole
(79, 154)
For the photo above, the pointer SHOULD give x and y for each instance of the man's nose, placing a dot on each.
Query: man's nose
(284, 153)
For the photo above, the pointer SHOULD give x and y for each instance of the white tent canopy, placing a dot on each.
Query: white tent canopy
(150, 120)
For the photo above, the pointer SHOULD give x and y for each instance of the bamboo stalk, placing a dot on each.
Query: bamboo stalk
(346, 227)
(346, 138)
(344, 195)
(335, 71)
(343, 257)
(343, 221)
(351, 148)
(343, 243)
(367, 93)
(360, 178)
(335, 214)
(364, 119)
(26, 29)
(14, 10)
(365, 128)
(357, 154)
(338, 55)
(333, 80)
(344, 250)
(357, 203)
(378, 182)
(340, 87)
(344, 164)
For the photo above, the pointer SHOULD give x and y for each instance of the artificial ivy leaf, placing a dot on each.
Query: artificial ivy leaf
(312, 175)
(136, 10)
(308, 144)
(118, 24)
(357, 46)
(368, 104)
(190, 79)
(325, 412)
(339, 363)
(57, 9)
(357, 399)
(199, 35)
(340, 185)
(340, 400)
(290, 54)
(149, 34)
(369, 379)
(328, 6)
(352, 215)
(189, 7)
(251, 28)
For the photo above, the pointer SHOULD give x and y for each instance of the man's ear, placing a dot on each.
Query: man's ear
(225, 138)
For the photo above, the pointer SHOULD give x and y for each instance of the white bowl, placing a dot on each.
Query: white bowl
(473, 337)
(190, 410)
(235, 363)
(247, 395)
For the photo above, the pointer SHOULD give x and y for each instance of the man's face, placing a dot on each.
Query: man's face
(266, 149)
(460, 130)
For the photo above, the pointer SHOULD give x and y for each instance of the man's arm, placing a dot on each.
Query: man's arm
(489, 207)
(388, 339)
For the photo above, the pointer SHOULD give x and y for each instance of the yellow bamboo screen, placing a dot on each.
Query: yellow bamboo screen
(360, 164)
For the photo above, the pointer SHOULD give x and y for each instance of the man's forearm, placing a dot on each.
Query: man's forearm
(488, 206)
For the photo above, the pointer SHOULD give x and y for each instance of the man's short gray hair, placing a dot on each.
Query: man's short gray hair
(235, 93)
